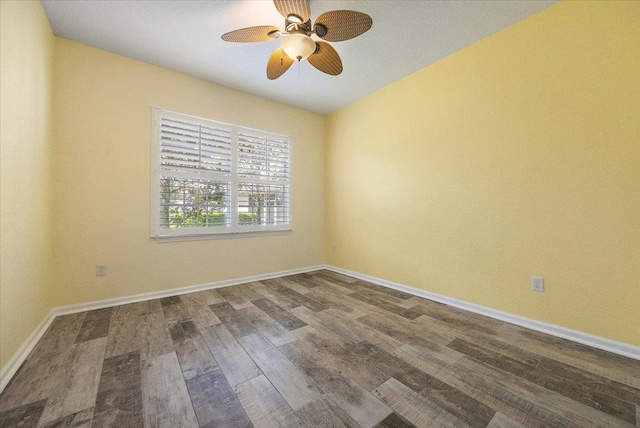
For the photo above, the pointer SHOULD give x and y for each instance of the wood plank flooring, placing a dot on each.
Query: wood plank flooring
(312, 350)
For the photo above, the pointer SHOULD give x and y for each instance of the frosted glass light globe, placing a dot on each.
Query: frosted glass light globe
(298, 46)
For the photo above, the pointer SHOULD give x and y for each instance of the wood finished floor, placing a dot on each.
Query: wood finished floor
(317, 350)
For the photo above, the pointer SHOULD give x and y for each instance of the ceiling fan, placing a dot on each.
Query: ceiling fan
(297, 45)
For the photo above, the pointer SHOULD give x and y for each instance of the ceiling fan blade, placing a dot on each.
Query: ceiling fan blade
(343, 24)
(299, 8)
(278, 64)
(251, 34)
(326, 59)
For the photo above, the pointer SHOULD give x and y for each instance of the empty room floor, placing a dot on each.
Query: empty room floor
(315, 349)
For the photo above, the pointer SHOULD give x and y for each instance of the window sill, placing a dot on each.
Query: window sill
(229, 235)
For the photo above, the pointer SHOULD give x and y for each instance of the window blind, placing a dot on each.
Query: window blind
(194, 147)
(212, 178)
(262, 158)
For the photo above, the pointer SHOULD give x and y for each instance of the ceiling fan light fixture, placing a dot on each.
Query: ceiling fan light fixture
(294, 19)
(297, 43)
(298, 46)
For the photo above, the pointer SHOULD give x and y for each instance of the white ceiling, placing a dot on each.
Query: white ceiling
(184, 35)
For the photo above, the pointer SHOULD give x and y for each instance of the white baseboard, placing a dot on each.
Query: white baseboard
(10, 369)
(82, 307)
(609, 345)
(22, 353)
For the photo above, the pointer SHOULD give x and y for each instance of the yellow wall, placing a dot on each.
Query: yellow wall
(102, 128)
(26, 145)
(517, 156)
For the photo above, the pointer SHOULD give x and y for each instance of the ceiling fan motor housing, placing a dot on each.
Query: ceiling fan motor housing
(294, 27)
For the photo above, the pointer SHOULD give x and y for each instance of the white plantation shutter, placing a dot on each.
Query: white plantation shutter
(191, 147)
(263, 179)
(263, 204)
(263, 158)
(194, 203)
(214, 178)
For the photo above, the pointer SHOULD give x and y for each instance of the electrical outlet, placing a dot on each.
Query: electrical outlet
(333, 248)
(537, 283)
(101, 270)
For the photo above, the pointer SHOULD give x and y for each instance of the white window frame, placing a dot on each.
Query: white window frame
(221, 232)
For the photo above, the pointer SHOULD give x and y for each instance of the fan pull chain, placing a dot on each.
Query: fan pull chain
(298, 70)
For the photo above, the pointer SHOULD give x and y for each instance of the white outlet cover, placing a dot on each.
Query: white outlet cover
(101, 270)
(537, 283)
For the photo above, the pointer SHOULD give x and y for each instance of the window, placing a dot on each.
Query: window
(210, 178)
